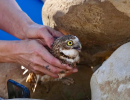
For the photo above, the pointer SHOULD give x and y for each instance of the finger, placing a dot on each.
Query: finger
(40, 62)
(69, 72)
(52, 68)
(38, 73)
(42, 41)
(75, 70)
(47, 37)
(54, 32)
(37, 69)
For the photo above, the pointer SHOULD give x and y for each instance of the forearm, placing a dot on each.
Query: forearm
(7, 51)
(13, 20)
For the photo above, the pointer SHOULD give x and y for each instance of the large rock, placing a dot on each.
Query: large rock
(112, 80)
(101, 25)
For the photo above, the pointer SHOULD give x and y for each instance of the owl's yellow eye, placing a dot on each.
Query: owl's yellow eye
(70, 43)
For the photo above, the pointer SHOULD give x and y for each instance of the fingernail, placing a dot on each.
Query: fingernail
(55, 38)
(75, 70)
(55, 76)
(68, 67)
(51, 44)
(64, 64)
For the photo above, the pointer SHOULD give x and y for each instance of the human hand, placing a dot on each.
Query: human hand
(45, 33)
(34, 56)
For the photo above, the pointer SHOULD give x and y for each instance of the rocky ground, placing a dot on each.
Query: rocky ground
(80, 90)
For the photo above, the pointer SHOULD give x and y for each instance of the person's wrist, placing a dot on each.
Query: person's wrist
(30, 30)
(26, 24)
(8, 51)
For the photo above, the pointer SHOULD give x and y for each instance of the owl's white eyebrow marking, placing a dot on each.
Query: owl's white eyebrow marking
(76, 39)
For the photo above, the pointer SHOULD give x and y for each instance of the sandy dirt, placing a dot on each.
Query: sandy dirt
(80, 90)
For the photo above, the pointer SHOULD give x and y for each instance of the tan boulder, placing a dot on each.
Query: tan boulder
(101, 25)
(112, 80)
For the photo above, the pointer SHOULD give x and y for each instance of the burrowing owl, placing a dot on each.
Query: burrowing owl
(66, 49)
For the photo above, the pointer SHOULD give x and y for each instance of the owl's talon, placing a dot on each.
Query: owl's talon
(47, 87)
(67, 81)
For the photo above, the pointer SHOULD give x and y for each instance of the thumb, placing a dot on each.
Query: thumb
(49, 39)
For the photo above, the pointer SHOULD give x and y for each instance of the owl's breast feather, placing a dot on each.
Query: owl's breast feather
(70, 53)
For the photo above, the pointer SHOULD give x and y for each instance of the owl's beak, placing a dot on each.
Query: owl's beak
(78, 47)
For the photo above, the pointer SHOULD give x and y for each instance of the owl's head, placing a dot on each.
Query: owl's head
(68, 42)
(67, 48)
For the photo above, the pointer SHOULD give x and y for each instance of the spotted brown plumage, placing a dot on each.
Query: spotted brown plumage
(67, 53)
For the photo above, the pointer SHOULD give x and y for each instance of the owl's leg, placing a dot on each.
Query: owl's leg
(44, 79)
(67, 80)
(47, 86)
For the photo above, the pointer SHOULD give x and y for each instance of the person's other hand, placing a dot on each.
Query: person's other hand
(45, 33)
